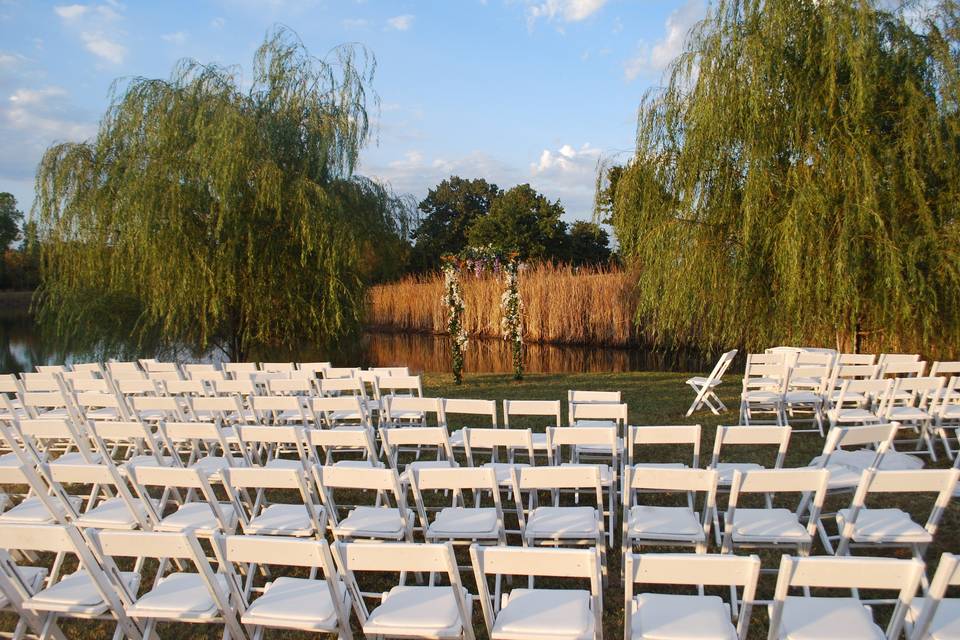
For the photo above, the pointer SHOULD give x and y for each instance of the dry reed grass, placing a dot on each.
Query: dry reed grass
(564, 305)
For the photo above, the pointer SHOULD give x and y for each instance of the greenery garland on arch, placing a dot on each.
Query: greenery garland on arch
(481, 261)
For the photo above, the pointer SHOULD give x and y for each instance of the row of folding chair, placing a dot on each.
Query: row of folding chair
(813, 597)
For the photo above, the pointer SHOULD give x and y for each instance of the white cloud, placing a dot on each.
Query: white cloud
(25, 97)
(102, 47)
(656, 58)
(42, 115)
(10, 60)
(564, 10)
(566, 160)
(71, 11)
(177, 37)
(354, 23)
(400, 23)
(218, 23)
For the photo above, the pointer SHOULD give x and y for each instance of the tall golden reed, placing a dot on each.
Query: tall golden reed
(564, 305)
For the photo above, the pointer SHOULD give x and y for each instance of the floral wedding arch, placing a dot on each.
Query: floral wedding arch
(482, 261)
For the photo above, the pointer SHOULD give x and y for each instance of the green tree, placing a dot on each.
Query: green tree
(10, 220)
(448, 211)
(588, 244)
(208, 212)
(797, 180)
(523, 220)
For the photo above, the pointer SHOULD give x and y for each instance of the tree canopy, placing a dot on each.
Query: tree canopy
(209, 211)
(525, 221)
(448, 211)
(796, 180)
(10, 219)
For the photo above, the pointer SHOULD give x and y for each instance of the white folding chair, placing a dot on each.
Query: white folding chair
(342, 412)
(239, 370)
(857, 359)
(85, 594)
(340, 372)
(48, 405)
(277, 366)
(93, 405)
(826, 617)
(539, 613)
(558, 524)
(317, 605)
(653, 616)
(275, 446)
(412, 411)
(400, 385)
(391, 371)
(184, 389)
(302, 387)
(947, 414)
(109, 502)
(378, 521)
(772, 526)
(509, 441)
(666, 525)
(749, 438)
(416, 439)
(467, 407)
(705, 388)
(913, 404)
(188, 492)
(459, 522)
(578, 438)
(158, 408)
(539, 408)
(765, 381)
(589, 397)
(302, 518)
(132, 443)
(868, 397)
(19, 583)
(205, 446)
(897, 358)
(408, 611)
(807, 392)
(227, 409)
(314, 368)
(935, 616)
(891, 526)
(281, 410)
(200, 597)
(326, 443)
(846, 466)
(648, 438)
(10, 392)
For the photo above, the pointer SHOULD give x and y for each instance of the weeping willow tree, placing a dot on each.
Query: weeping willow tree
(797, 179)
(206, 214)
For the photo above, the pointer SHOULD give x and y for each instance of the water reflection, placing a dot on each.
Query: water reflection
(22, 347)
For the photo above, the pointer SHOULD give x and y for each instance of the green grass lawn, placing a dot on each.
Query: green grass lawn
(654, 399)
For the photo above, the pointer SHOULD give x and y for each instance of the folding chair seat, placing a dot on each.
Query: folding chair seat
(380, 521)
(203, 597)
(301, 518)
(33, 507)
(669, 616)
(19, 583)
(86, 593)
(540, 408)
(704, 388)
(56, 441)
(658, 524)
(745, 436)
(466, 407)
(460, 522)
(539, 612)
(934, 616)
(771, 525)
(203, 514)
(660, 437)
(815, 617)
(495, 440)
(319, 605)
(408, 611)
(891, 526)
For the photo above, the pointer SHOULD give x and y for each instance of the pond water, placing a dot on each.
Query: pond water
(22, 347)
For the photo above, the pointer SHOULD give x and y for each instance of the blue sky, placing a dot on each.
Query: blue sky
(510, 90)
